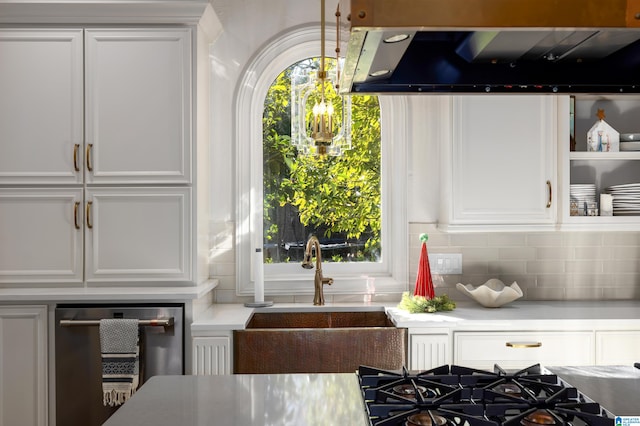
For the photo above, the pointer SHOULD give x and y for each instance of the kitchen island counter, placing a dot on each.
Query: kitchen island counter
(245, 399)
(615, 387)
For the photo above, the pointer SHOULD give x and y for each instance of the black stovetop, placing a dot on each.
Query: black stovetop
(452, 395)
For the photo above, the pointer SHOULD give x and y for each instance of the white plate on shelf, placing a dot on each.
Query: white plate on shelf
(626, 186)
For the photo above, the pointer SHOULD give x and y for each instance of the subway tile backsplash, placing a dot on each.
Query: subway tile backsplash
(546, 265)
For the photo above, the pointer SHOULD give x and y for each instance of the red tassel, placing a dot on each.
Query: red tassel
(424, 282)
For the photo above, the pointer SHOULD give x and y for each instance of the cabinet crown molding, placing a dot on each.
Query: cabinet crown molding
(102, 11)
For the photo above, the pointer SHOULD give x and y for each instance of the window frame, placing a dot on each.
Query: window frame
(290, 279)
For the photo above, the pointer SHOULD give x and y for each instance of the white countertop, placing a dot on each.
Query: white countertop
(549, 315)
(614, 387)
(245, 399)
(226, 316)
(85, 294)
(546, 314)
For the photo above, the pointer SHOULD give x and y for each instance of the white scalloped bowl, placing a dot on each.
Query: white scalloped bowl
(491, 294)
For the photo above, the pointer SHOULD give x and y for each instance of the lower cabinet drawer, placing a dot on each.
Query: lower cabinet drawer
(617, 347)
(522, 349)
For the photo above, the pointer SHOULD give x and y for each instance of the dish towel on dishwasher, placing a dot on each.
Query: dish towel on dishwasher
(120, 359)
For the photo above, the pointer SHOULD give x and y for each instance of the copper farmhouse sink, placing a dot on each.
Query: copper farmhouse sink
(318, 342)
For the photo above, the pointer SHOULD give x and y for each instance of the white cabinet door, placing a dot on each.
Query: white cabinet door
(138, 106)
(502, 160)
(212, 355)
(617, 347)
(41, 107)
(522, 349)
(138, 234)
(41, 235)
(428, 351)
(23, 365)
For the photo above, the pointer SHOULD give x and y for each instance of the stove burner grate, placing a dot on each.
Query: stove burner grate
(462, 396)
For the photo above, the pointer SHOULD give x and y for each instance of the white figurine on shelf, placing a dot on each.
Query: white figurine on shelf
(602, 137)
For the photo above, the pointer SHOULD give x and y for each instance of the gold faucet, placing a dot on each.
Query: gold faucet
(319, 281)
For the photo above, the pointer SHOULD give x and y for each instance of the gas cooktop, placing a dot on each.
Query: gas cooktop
(452, 395)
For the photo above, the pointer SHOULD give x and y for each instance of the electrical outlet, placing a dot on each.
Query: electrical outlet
(445, 263)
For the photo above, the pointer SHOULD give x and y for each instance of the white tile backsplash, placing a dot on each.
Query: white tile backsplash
(506, 239)
(577, 239)
(554, 253)
(546, 265)
(469, 240)
(583, 266)
(630, 266)
(622, 239)
(517, 253)
(623, 252)
(507, 267)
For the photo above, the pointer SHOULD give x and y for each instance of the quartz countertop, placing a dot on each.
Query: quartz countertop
(467, 315)
(97, 294)
(245, 399)
(561, 315)
(616, 388)
(230, 316)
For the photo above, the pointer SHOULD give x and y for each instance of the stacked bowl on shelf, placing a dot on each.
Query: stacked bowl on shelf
(629, 141)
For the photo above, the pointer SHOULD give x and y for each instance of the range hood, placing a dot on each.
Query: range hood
(492, 46)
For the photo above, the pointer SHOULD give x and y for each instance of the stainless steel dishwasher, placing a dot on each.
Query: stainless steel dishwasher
(78, 362)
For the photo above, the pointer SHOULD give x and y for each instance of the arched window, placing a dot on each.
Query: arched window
(336, 198)
(386, 261)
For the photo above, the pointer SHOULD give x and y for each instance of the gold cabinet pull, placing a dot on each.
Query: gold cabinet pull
(550, 194)
(88, 155)
(76, 148)
(524, 344)
(88, 214)
(75, 214)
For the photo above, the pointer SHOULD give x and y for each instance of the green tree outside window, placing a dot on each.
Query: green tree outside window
(336, 198)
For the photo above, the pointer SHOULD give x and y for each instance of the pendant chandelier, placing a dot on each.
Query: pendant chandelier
(320, 118)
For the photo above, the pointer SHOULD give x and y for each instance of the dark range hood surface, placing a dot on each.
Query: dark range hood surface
(493, 46)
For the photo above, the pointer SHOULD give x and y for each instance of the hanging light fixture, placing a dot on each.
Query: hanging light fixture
(320, 117)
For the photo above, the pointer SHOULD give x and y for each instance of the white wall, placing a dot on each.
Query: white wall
(546, 265)
(248, 26)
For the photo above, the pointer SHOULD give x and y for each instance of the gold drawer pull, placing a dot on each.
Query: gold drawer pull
(88, 155)
(88, 214)
(76, 167)
(75, 214)
(524, 344)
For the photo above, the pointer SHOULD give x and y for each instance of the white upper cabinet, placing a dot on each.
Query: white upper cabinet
(108, 234)
(96, 156)
(501, 163)
(136, 110)
(41, 234)
(41, 106)
(138, 106)
(138, 234)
